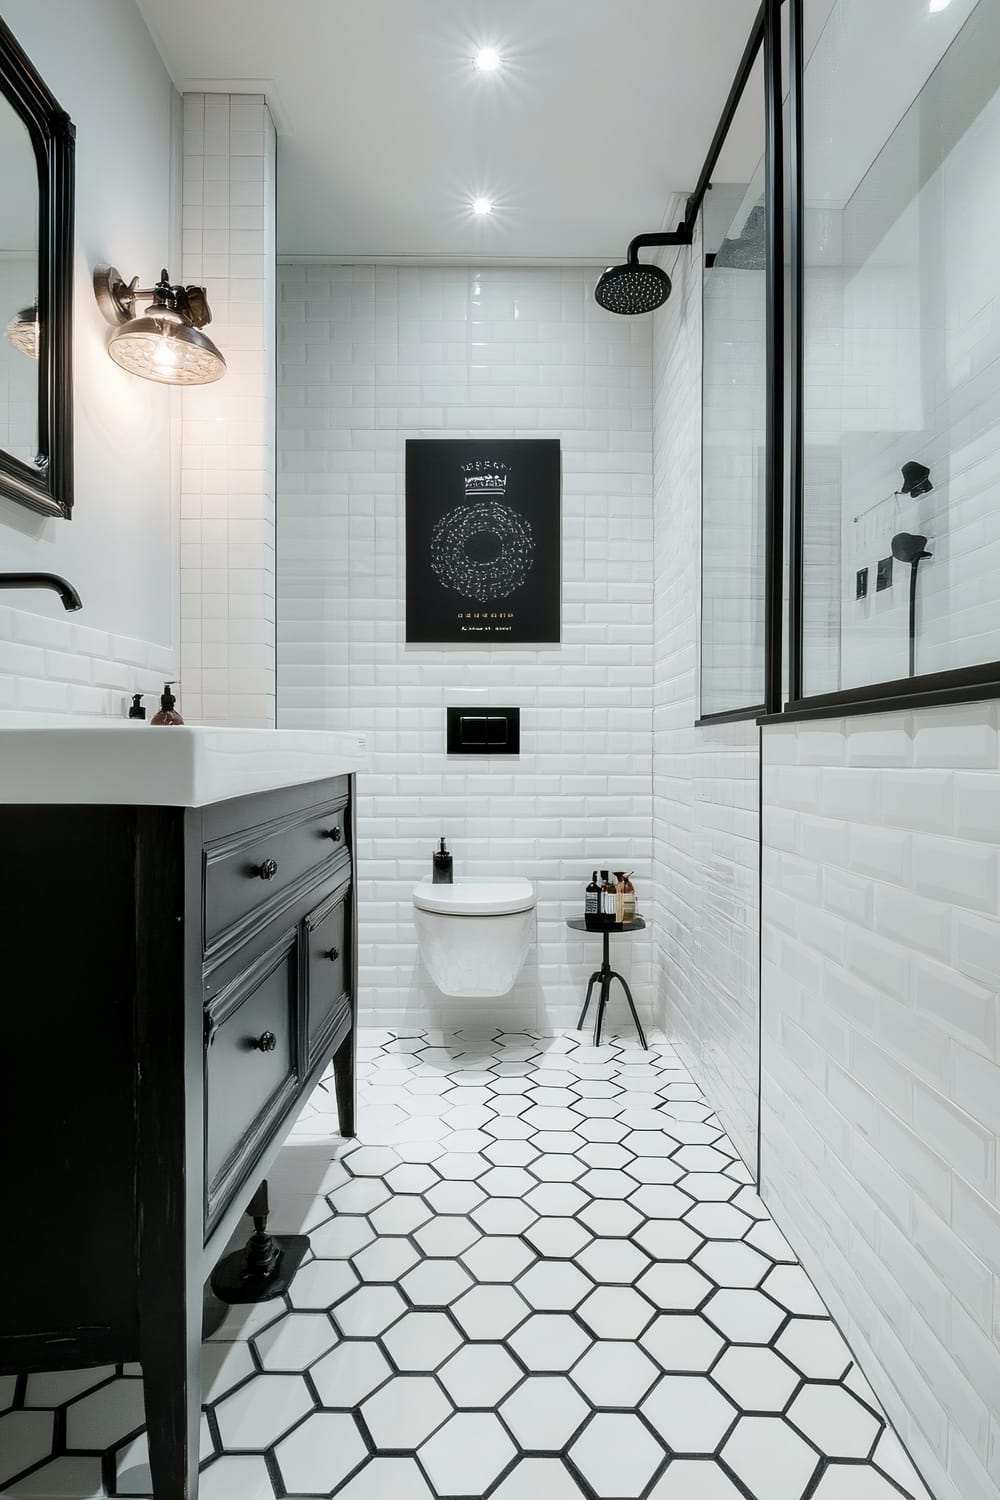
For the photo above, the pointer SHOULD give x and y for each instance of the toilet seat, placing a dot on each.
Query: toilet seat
(475, 898)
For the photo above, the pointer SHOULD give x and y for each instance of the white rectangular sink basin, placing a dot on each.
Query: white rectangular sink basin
(165, 766)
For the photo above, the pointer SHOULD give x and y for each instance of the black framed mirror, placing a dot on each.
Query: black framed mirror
(36, 288)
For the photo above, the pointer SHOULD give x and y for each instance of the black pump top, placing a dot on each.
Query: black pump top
(137, 711)
(167, 699)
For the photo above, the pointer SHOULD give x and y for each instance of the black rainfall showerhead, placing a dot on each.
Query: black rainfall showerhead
(916, 479)
(908, 548)
(636, 286)
(632, 288)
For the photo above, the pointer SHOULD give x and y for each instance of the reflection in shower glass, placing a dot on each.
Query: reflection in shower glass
(733, 417)
(902, 337)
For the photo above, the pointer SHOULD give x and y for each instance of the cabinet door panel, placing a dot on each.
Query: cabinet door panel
(328, 995)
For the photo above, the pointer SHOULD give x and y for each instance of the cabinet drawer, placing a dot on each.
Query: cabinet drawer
(250, 1066)
(250, 874)
(329, 936)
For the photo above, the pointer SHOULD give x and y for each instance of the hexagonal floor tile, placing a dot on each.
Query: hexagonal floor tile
(557, 1199)
(340, 1237)
(718, 1221)
(349, 1373)
(405, 1412)
(234, 1475)
(683, 1342)
(320, 1284)
(695, 1479)
(421, 1340)
(462, 1166)
(103, 1418)
(617, 1455)
(758, 1380)
(549, 1342)
(25, 1439)
(411, 1177)
(710, 1187)
(435, 1283)
(479, 1375)
(732, 1263)
(507, 1182)
(790, 1286)
(613, 1262)
(294, 1342)
(359, 1197)
(256, 1415)
(606, 1182)
(660, 1201)
(835, 1421)
(675, 1286)
(385, 1260)
(503, 1216)
(62, 1479)
(371, 1161)
(610, 1218)
(558, 1239)
(498, 1257)
(744, 1317)
(815, 1347)
(465, 1456)
(615, 1373)
(544, 1412)
(56, 1387)
(379, 1477)
(668, 1239)
(535, 1477)
(401, 1215)
(616, 1312)
(689, 1414)
(553, 1287)
(447, 1235)
(455, 1197)
(490, 1312)
(320, 1454)
(770, 1458)
(367, 1312)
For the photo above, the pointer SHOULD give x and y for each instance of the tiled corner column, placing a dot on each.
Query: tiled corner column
(227, 476)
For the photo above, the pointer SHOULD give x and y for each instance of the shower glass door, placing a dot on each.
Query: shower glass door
(901, 321)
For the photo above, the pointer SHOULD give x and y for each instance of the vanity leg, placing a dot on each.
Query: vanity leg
(171, 1378)
(345, 1083)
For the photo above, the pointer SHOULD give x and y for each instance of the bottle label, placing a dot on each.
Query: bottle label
(590, 904)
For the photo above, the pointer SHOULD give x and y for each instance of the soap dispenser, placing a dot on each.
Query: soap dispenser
(136, 707)
(443, 866)
(167, 713)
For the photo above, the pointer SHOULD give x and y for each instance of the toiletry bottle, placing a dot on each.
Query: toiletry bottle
(167, 713)
(136, 709)
(443, 866)
(619, 896)
(607, 900)
(629, 911)
(592, 902)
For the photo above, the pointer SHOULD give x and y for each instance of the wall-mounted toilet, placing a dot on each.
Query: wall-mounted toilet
(474, 936)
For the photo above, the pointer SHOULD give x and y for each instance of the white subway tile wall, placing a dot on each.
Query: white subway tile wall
(228, 463)
(705, 780)
(881, 1058)
(369, 357)
(52, 669)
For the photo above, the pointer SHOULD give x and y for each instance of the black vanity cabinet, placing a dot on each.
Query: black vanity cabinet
(175, 982)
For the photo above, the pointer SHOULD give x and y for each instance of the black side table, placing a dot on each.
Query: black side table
(604, 976)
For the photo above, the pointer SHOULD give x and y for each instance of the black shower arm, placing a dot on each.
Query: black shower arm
(679, 236)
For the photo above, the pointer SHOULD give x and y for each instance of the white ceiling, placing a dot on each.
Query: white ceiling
(602, 111)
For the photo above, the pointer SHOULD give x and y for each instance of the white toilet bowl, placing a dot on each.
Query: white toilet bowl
(474, 936)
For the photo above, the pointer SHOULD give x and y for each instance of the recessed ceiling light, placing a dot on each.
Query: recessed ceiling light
(937, 5)
(487, 60)
(482, 206)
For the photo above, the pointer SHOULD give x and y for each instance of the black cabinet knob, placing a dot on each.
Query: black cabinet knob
(266, 1042)
(336, 834)
(267, 870)
(333, 954)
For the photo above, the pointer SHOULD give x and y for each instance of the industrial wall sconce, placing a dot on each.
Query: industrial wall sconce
(23, 331)
(165, 342)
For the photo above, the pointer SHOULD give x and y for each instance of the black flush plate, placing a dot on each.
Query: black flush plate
(484, 731)
(883, 578)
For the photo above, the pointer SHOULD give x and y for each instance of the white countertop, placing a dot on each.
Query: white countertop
(136, 764)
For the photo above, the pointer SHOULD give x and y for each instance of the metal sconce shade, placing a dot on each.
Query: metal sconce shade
(24, 333)
(916, 479)
(165, 343)
(164, 346)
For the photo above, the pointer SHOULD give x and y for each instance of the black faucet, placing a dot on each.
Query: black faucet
(67, 593)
